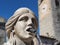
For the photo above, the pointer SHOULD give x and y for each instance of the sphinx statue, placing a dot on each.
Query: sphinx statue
(21, 28)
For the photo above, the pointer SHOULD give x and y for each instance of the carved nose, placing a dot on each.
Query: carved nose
(30, 22)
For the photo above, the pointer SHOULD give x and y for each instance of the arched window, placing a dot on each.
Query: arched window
(57, 3)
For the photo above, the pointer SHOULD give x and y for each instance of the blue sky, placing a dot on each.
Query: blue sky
(7, 7)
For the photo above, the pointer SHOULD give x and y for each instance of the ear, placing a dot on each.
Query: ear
(14, 27)
(13, 32)
(11, 35)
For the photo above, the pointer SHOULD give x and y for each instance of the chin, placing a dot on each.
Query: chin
(28, 37)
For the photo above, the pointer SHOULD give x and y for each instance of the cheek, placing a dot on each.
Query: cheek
(20, 25)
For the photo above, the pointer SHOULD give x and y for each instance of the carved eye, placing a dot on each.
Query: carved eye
(24, 18)
(34, 20)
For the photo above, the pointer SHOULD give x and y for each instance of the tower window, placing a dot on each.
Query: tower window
(57, 3)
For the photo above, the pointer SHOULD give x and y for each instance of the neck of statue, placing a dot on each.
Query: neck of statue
(18, 41)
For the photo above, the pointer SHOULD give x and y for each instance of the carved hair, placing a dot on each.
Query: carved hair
(13, 19)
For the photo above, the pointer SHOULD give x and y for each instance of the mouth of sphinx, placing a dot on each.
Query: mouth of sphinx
(31, 30)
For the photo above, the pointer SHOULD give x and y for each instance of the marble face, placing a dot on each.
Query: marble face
(25, 23)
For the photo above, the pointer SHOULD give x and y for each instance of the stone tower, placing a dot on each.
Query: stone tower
(2, 30)
(49, 18)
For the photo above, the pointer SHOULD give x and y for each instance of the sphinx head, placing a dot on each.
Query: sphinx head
(23, 23)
